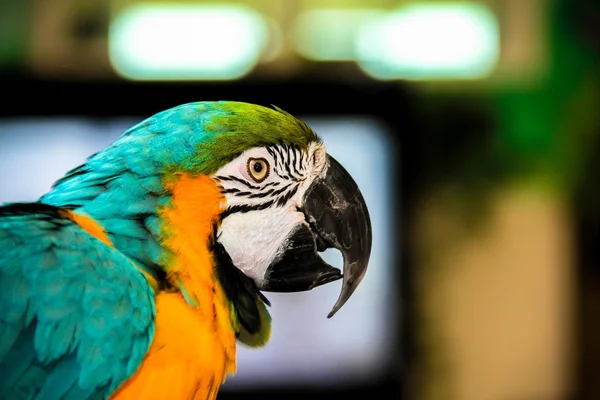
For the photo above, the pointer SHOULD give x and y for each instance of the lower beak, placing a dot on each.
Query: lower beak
(336, 217)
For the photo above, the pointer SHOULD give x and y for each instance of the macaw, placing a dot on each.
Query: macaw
(137, 273)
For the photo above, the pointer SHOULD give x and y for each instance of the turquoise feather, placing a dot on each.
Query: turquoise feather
(67, 307)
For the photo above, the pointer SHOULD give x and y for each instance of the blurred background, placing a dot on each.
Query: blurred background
(472, 128)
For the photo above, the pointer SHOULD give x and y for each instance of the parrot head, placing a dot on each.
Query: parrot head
(284, 199)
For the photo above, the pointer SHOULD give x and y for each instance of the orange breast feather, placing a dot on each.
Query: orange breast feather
(183, 362)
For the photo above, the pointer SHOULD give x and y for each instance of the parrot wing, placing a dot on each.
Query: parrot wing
(76, 316)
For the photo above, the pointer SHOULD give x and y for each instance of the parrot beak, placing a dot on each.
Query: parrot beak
(336, 217)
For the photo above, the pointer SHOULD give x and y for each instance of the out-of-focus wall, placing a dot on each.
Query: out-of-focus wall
(496, 298)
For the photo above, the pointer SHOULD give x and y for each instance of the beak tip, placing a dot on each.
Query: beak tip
(344, 296)
(352, 278)
(336, 308)
(342, 299)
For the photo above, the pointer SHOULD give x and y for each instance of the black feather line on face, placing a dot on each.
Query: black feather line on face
(244, 208)
(283, 189)
(284, 199)
(236, 179)
(261, 195)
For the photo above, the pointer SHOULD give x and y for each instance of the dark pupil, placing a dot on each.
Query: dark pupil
(258, 167)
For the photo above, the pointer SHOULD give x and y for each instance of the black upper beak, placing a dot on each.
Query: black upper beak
(337, 217)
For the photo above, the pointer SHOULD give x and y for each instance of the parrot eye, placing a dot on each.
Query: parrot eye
(258, 168)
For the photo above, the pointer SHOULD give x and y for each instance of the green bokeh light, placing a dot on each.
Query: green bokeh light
(166, 42)
(430, 41)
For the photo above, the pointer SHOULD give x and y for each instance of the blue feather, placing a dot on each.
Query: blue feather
(15, 364)
(70, 309)
(62, 378)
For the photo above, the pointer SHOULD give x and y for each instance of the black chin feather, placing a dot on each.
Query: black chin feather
(239, 289)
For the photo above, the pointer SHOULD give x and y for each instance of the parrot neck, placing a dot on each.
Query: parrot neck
(201, 269)
(188, 227)
(188, 234)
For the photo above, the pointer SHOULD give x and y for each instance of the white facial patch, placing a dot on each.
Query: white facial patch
(261, 213)
(253, 239)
